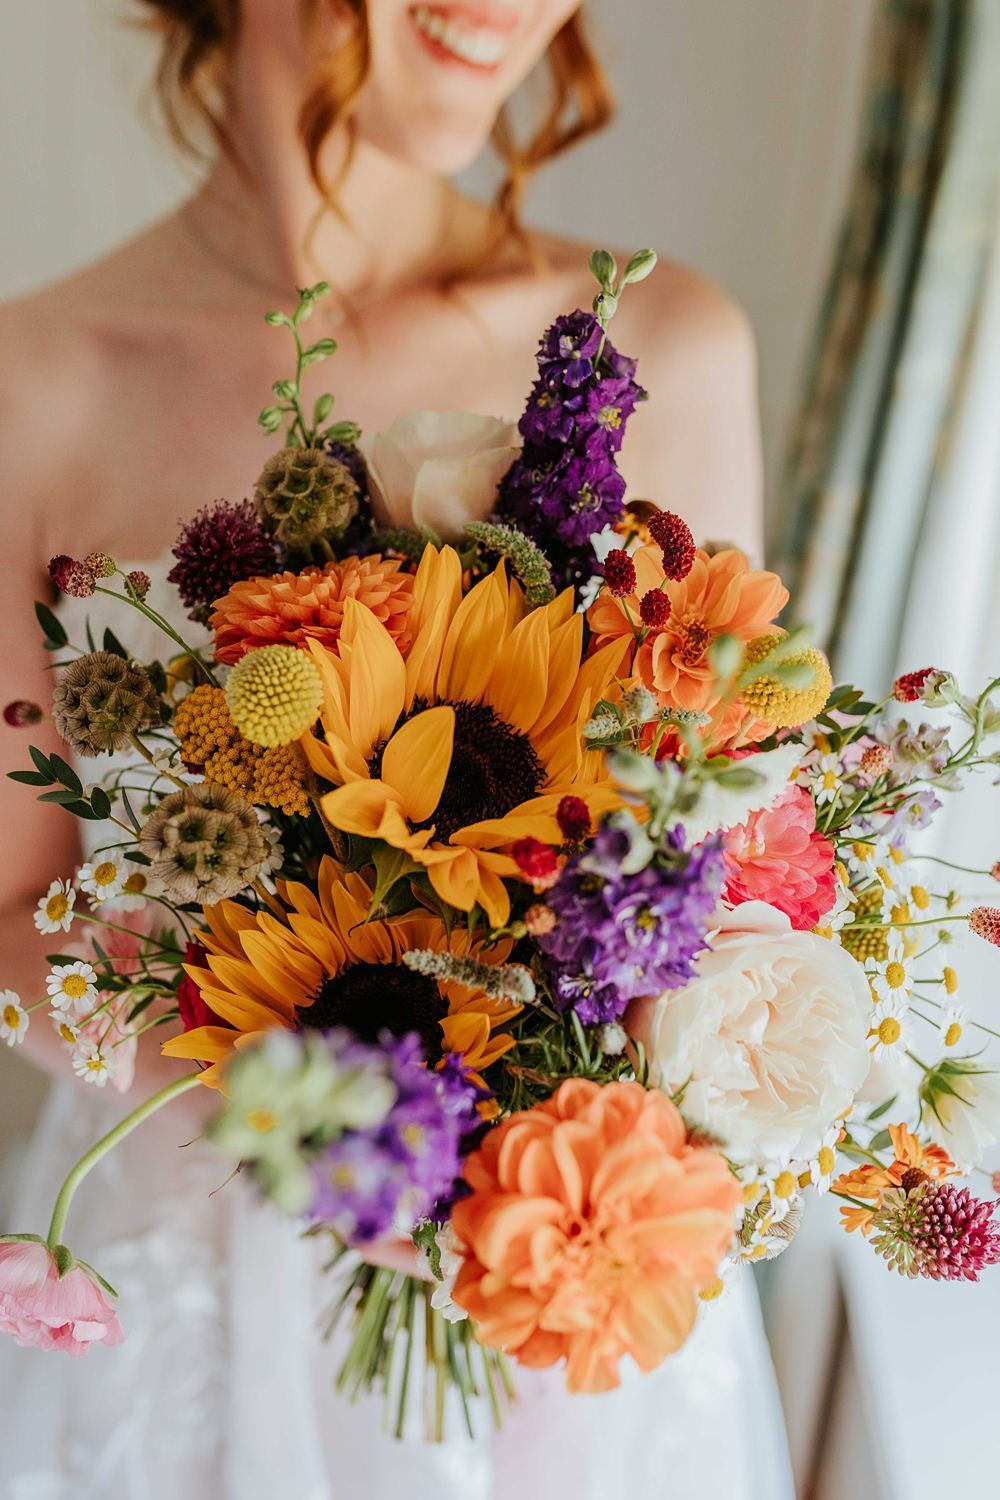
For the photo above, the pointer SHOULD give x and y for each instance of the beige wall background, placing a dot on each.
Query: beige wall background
(731, 152)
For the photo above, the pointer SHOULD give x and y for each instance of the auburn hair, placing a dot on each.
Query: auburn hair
(199, 39)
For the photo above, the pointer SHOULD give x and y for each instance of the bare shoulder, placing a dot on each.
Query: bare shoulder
(695, 446)
(48, 365)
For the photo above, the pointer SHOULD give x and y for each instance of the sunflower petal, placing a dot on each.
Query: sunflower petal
(417, 759)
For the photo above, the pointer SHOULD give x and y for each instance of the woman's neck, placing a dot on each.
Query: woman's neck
(261, 213)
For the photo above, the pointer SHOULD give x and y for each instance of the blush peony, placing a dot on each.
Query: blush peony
(40, 1309)
(769, 1038)
(590, 1228)
(777, 856)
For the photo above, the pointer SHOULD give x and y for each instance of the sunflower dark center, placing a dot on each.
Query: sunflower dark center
(370, 998)
(493, 769)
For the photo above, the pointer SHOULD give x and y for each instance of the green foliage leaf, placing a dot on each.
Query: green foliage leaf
(55, 634)
(65, 773)
(42, 762)
(30, 778)
(113, 644)
(100, 802)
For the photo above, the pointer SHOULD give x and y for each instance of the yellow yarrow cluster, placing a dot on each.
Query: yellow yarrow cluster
(274, 695)
(208, 737)
(866, 942)
(773, 702)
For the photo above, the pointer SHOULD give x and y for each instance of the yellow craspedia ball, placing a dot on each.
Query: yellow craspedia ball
(772, 701)
(274, 695)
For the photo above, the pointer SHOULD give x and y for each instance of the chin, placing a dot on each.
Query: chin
(441, 146)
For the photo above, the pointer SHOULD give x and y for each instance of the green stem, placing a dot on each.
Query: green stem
(107, 1143)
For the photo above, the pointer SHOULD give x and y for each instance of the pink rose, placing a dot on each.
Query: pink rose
(42, 1310)
(777, 856)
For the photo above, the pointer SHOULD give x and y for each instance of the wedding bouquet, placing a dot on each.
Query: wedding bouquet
(528, 895)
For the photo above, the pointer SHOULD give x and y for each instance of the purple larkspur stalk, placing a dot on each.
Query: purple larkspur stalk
(385, 1179)
(565, 486)
(618, 935)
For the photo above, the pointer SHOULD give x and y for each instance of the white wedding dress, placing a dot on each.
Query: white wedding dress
(223, 1389)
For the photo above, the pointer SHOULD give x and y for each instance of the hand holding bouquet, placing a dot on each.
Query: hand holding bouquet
(526, 892)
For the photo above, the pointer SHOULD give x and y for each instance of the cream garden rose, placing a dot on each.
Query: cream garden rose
(438, 469)
(768, 1040)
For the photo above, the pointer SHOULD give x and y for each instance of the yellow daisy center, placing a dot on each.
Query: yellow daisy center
(106, 873)
(135, 884)
(11, 1016)
(826, 1160)
(95, 1064)
(784, 1185)
(66, 1032)
(895, 975)
(953, 1034)
(950, 980)
(56, 907)
(920, 897)
(713, 1290)
(829, 781)
(889, 1031)
(261, 1120)
(74, 986)
(863, 852)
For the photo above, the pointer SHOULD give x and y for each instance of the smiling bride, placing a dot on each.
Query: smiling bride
(330, 129)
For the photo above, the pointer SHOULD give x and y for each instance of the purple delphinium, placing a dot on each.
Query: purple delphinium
(565, 486)
(619, 935)
(389, 1177)
(224, 544)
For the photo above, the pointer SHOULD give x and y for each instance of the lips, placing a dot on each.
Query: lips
(478, 36)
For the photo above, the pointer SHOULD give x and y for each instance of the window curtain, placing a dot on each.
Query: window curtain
(891, 358)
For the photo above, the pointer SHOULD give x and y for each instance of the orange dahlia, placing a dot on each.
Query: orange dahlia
(293, 608)
(722, 595)
(590, 1229)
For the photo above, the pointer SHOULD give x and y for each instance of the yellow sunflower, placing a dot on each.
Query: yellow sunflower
(331, 966)
(468, 743)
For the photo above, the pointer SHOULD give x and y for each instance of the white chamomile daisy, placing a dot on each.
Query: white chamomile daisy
(824, 1164)
(72, 985)
(718, 1290)
(90, 1064)
(66, 1030)
(952, 1024)
(138, 887)
(892, 978)
(863, 857)
(827, 776)
(275, 856)
(890, 1026)
(784, 1189)
(839, 914)
(13, 1018)
(102, 878)
(54, 912)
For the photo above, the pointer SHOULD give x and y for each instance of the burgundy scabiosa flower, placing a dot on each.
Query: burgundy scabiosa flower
(223, 545)
(72, 577)
(573, 817)
(909, 687)
(21, 714)
(389, 1177)
(935, 1229)
(654, 609)
(673, 537)
(619, 573)
(621, 931)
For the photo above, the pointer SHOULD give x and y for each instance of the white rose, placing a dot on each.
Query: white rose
(438, 469)
(768, 1040)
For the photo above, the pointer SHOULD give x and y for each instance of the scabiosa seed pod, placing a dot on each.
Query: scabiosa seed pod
(204, 844)
(536, 861)
(71, 576)
(654, 609)
(619, 573)
(909, 687)
(985, 923)
(876, 761)
(101, 701)
(936, 1230)
(139, 583)
(673, 537)
(21, 714)
(223, 545)
(303, 495)
(573, 817)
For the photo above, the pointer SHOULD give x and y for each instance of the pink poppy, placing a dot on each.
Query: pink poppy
(42, 1310)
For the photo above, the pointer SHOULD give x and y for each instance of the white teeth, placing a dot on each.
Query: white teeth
(480, 46)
